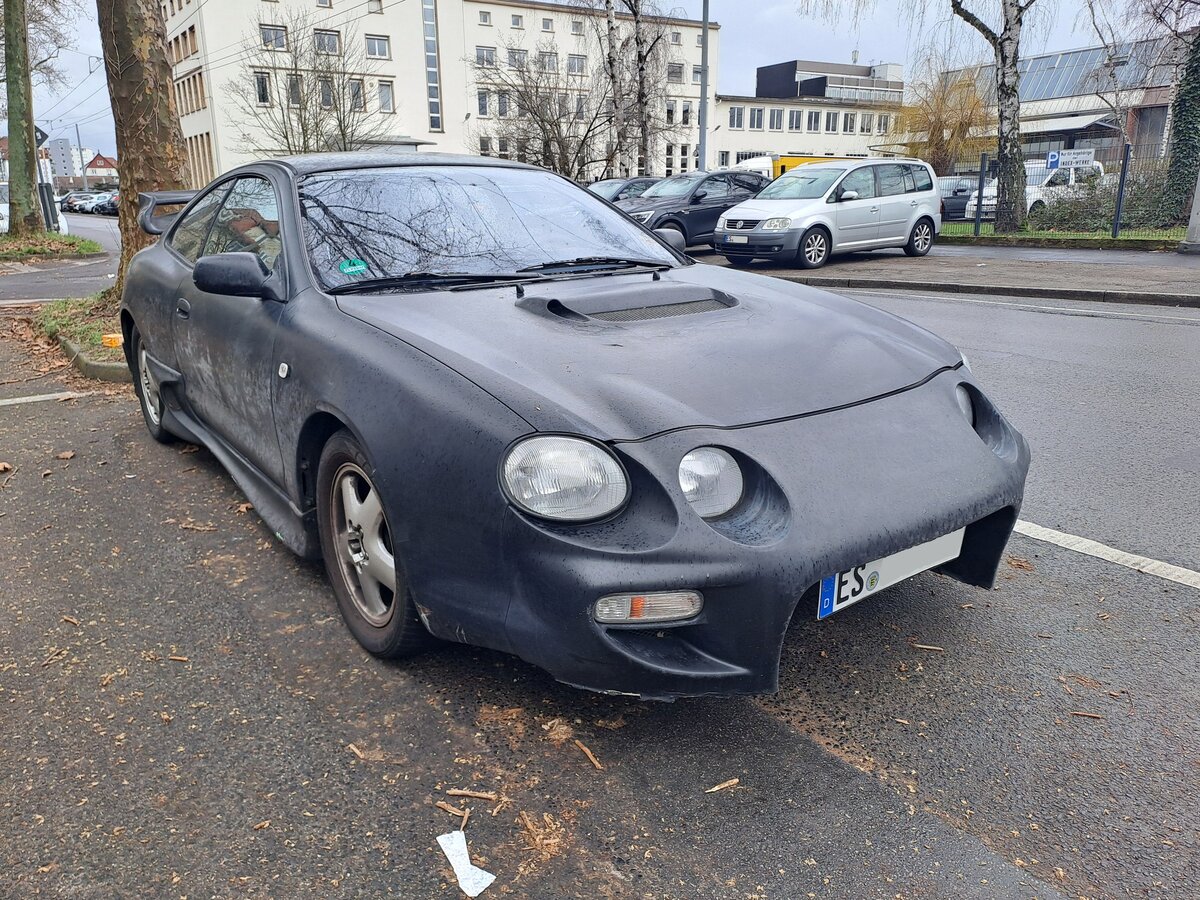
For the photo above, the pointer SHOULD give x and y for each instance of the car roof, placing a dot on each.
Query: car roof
(311, 163)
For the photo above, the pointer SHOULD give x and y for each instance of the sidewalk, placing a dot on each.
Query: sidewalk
(1137, 277)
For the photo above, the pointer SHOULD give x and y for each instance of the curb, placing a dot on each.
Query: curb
(72, 257)
(1136, 244)
(1148, 298)
(117, 373)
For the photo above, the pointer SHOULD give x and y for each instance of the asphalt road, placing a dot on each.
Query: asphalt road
(184, 714)
(79, 278)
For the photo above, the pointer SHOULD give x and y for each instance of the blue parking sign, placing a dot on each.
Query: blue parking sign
(1052, 159)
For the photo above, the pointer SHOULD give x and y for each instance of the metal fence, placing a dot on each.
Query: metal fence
(1127, 192)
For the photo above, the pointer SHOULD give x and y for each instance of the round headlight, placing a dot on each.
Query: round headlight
(564, 478)
(965, 403)
(711, 481)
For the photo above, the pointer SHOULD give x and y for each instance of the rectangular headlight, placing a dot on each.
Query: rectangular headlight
(663, 606)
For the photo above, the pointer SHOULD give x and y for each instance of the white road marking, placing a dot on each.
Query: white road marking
(41, 398)
(1144, 564)
(1030, 307)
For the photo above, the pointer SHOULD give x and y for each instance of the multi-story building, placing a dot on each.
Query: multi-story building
(806, 108)
(427, 69)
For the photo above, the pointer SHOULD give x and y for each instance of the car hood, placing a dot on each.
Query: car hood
(641, 204)
(766, 209)
(624, 357)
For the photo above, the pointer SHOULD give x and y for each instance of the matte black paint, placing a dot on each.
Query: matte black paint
(843, 417)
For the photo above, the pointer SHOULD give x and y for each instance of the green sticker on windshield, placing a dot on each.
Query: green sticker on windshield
(352, 267)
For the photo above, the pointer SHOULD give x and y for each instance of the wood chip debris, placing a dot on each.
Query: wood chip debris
(732, 782)
(453, 810)
(56, 653)
(1086, 715)
(265, 823)
(353, 749)
(589, 754)
(490, 796)
(66, 454)
(71, 620)
(931, 647)
(1020, 562)
(178, 659)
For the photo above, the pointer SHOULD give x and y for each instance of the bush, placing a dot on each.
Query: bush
(1091, 207)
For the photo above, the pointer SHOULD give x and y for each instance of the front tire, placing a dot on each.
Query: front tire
(147, 389)
(920, 241)
(372, 593)
(813, 251)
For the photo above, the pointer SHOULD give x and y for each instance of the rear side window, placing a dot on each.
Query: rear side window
(893, 179)
(921, 178)
(188, 238)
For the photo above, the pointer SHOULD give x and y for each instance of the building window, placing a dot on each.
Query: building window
(756, 118)
(358, 95)
(670, 112)
(262, 88)
(579, 110)
(676, 38)
(697, 74)
(776, 121)
(675, 73)
(485, 17)
(737, 117)
(831, 122)
(883, 123)
(482, 97)
(274, 37)
(374, 6)
(502, 104)
(295, 85)
(848, 123)
(518, 21)
(379, 46)
(686, 119)
(326, 88)
(683, 157)
(723, 159)
(485, 146)
(387, 97)
(814, 120)
(576, 64)
(328, 42)
(670, 160)
(485, 56)
(502, 148)
(517, 58)
(865, 123)
(548, 61)
(547, 24)
(795, 119)
(700, 39)
(576, 26)
(325, 4)
(433, 78)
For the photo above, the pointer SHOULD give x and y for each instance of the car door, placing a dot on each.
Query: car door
(897, 206)
(708, 200)
(224, 344)
(857, 220)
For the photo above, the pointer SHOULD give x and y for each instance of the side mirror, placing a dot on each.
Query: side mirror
(672, 238)
(848, 195)
(234, 275)
(699, 195)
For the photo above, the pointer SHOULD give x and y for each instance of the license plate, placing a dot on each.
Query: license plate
(736, 239)
(847, 588)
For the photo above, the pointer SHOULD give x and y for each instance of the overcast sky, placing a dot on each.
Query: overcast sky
(753, 33)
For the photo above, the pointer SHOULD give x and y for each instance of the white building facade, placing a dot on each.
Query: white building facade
(428, 61)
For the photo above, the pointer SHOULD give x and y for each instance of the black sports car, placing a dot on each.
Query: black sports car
(507, 415)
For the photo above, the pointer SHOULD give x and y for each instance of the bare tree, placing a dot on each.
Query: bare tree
(1120, 44)
(24, 211)
(150, 150)
(308, 90)
(49, 33)
(946, 116)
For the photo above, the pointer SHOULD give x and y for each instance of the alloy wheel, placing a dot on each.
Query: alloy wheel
(151, 396)
(815, 247)
(363, 544)
(922, 237)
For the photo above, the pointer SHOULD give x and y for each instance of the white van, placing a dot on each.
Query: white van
(821, 208)
(1043, 186)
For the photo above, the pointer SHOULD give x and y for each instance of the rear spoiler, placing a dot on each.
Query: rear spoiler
(152, 200)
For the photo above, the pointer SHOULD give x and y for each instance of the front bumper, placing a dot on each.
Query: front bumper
(758, 244)
(829, 492)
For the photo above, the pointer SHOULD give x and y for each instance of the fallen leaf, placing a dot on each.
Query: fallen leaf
(5, 467)
(1020, 562)
(732, 782)
(244, 507)
(66, 454)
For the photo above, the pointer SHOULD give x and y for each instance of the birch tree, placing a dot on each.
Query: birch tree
(150, 150)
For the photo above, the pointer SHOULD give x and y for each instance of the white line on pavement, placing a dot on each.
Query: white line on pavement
(41, 398)
(1111, 554)
(1031, 307)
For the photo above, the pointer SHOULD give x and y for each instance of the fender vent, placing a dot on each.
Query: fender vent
(667, 311)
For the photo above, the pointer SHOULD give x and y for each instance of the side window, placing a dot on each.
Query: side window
(248, 222)
(1059, 178)
(188, 238)
(892, 179)
(751, 183)
(861, 180)
(717, 187)
(921, 178)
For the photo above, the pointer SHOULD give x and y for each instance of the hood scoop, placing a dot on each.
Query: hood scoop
(629, 303)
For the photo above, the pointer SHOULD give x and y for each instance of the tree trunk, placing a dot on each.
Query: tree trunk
(612, 68)
(1010, 189)
(24, 210)
(643, 94)
(150, 150)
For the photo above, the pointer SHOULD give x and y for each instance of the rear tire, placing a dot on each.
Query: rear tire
(920, 241)
(813, 251)
(372, 592)
(147, 389)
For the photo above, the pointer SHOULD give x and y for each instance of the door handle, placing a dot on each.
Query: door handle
(183, 309)
(874, 209)
(914, 203)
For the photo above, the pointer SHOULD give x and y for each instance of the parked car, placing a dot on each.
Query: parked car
(61, 226)
(506, 415)
(955, 191)
(89, 205)
(74, 200)
(1043, 186)
(816, 210)
(691, 204)
(107, 207)
(614, 189)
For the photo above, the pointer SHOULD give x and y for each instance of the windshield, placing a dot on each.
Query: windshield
(366, 224)
(672, 187)
(606, 189)
(808, 184)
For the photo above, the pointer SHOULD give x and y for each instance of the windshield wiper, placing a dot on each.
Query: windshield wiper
(426, 279)
(598, 262)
